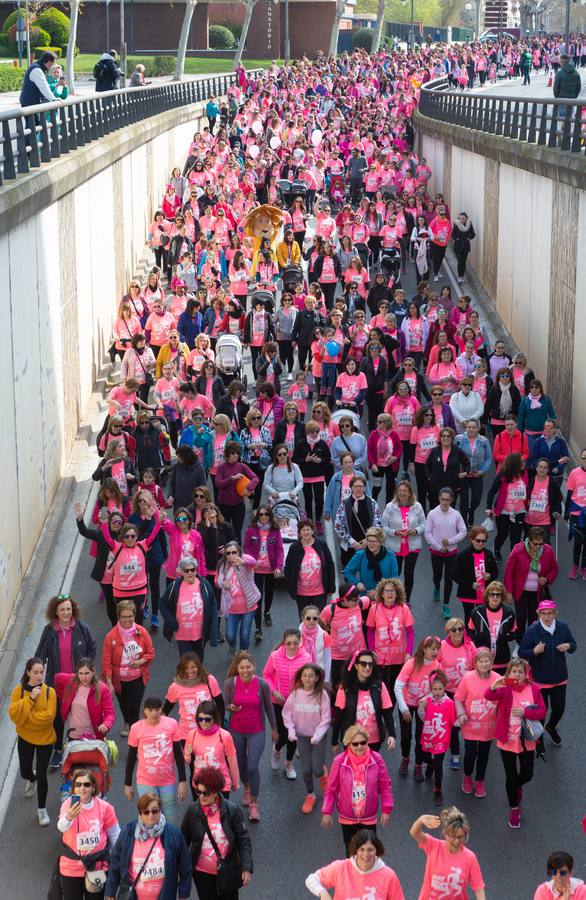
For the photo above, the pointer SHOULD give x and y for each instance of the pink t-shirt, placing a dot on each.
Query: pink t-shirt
(189, 699)
(440, 715)
(390, 637)
(309, 579)
(416, 681)
(577, 484)
(378, 884)
(455, 661)
(365, 714)
(125, 401)
(189, 612)
(351, 385)
(152, 877)
(248, 719)
(237, 598)
(479, 572)
(211, 749)
(345, 629)
(156, 763)
(481, 713)
(521, 698)
(538, 512)
(87, 833)
(208, 858)
(218, 452)
(447, 875)
(425, 439)
(515, 496)
(131, 651)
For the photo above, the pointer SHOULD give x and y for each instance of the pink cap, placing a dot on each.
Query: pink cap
(547, 604)
(179, 283)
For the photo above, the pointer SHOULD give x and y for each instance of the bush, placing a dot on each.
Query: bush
(10, 20)
(57, 24)
(38, 36)
(234, 28)
(220, 38)
(38, 51)
(162, 65)
(10, 78)
(3, 42)
(363, 38)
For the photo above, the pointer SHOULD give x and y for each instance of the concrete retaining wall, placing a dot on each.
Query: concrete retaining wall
(71, 236)
(528, 207)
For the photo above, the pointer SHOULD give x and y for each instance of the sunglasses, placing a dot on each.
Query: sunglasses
(181, 519)
(87, 784)
(201, 793)
(263, 514)
(495, 593)
(479, 540)
(255, 418)
(562, 872)
(205, 718)
(129, 536)
(151, 812)
(191, 569)
(311, 618)
(346, 425)
(358, 743)
(437, 394)
(364, 665)
(505, 377)
(459, 628)
(282, 453)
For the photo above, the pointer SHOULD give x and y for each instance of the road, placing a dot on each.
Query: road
(514, 87)
(288, 845)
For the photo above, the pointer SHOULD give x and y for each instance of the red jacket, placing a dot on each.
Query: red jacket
(504, 697)
(517, 569)
(504, 443)
(100, 712)
(112, 655)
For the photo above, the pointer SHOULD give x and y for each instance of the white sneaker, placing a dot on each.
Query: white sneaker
(461, 280)
(30, 788)
(44, 819)
(275, 759)
(436, 277)
(290, 772)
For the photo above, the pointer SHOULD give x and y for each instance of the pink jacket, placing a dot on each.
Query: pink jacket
(340, 782)
(372, 443)
(517, 569)
(100, 713)
(305, 715)
(174, 556)
(504, 697)
(279, 670)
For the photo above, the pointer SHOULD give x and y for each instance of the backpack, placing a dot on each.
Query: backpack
(363, 612)
(100, 69)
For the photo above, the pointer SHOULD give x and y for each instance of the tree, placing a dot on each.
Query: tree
(340, 7)
(74, 6)
(183, 39)
(378, 31)
(250, 4)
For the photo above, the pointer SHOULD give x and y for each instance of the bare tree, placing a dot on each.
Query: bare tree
(183, 39)
(340, 7)
(74, 7)
(378, 31)
(250, 4)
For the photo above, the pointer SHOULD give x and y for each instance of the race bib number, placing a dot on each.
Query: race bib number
(405, 418)
(518, 493)
(538, 506)
(130, 568)
(87, 841)
(153, 871)
(428, 443)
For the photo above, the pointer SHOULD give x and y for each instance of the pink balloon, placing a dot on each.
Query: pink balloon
(257, 127)
(254, 151)
(316, 137)
(275, 142)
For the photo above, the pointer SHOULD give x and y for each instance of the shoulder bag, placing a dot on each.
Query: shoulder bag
(229, 875)
(126, 890)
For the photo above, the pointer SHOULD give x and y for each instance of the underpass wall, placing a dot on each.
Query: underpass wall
(528, 207)
(71, 236)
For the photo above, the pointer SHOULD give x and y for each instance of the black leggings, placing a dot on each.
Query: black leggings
(476, 752)
(436, 762)
(205, 885)
(443, 565)
(154, 573)
(505, 528)
(437, 257)
(389, 675)
(129, 699)
(348, 832)
(579, 547)
(74, 889)
(108, 592)
(518, 771)
(384, 472)
(26, 755)
(410, 563)
(555, 697)
(374, 405)
(422, 482)
(408, 452)
(235, 515)
(283, 739)
(525, 612)
(265, 582)
(406, 732)
(313, 493)
(286, 354)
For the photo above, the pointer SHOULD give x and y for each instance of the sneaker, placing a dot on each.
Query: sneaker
(258, 635)
(418, 774)
(56, 759)
(246, 797)
(554, 734)
(125, 730)
(467, 784)
(436, 277)
(583, 573)
(30, 788)
(438, 797)
(290, 772)
(515, 818)
(498, 556)
(323, 782)
(275, 759)
(461, 280)
(253, 813)
(436, 595)
(44, 819)
(154, 623)
(479, 789)
(446, 613)
(309, 804)
(455, 763)
(404, 767)
(428, 773)
(268, 620)
(573, 573)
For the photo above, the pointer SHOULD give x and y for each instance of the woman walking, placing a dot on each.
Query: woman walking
(307, 717)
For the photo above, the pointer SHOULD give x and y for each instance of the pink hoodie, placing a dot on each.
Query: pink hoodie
(307, 715)
(175, 547)
(341, 782)
(279, 670)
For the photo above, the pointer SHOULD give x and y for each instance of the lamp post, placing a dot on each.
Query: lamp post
(108, 24)
(287, 43)
(122, 46)
(411, 35)
(567, 39)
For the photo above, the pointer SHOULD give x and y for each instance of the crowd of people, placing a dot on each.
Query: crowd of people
(230, 486)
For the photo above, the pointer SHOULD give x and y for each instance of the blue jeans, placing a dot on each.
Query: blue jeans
(168, 796)
(249, 749)
(531, 439)
(244, 622)
(328, 378)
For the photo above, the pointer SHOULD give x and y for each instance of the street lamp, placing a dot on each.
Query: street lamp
(411, 37)
(287, 47)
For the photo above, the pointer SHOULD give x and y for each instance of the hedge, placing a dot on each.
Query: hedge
(10, 20)
(220, 38)
(56, 51)
(10, 78)
(363, 38)
(57, 24)
(38, 36)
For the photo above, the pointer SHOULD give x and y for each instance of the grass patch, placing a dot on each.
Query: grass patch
(85, 62)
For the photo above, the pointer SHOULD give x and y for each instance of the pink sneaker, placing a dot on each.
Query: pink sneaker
(573, 573)
(583, 573)
(246, 797)
(467, 784)
(479, 789)
(253, 813)
(515, 818)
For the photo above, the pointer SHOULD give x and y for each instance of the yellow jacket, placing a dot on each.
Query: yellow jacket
(165, 356)
(283, 254)
(34, 718)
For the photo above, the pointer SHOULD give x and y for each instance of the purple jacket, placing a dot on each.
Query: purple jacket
(339, 792)
(274, 545)
(227, 493)
(447, 415)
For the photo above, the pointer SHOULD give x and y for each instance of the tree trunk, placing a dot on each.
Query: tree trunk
(378, 32)
(250, 4)
(70, 56)
(183, 39)
(340, 5)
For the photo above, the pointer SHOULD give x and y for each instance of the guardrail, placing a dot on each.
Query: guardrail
(544, 122)
(35, 135)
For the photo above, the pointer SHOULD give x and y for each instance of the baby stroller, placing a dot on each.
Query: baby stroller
(347, 413)
(391, 262)
(229, 358)
(87, 753)
(291, 276)
(288, 190)
(337, 191)
(287, 514)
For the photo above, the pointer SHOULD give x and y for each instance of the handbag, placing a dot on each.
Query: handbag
(126, 890)
(531, 729)
(95, 881)
(229, 874)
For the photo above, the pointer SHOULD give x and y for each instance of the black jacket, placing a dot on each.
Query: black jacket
(106, 73)
(102, 473)
(218, 390)
(376, 381)
(212, 539)
(184, 480)
(102, 549)
(464, 572)
(480, 634)
(434, 467)
(421, 389)
(193, 829)
(82, 643)
(168, 610)
(554, 495)
(269, 328)
(344, 718)
(311, 469)
(293, 564)
(305, 324)
(567, 82)
(149, 448)
(281, 432)
(177, 242)
(493, 399)
(242, 407)
(319, 264)
(462, 237)
(262, 364)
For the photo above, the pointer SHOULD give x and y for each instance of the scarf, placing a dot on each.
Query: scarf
(313, 642)
(535, 401)
(143, 832)
(127, 633)
(358, 763)
(213, 729)
(534, 556)
(187, 682)
(506, 401)
(210, 809)
(373, 562)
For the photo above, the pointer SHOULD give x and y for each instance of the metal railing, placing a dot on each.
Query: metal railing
(35, 135)
(544, 122)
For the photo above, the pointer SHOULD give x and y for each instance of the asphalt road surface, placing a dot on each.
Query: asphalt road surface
(288, 845)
